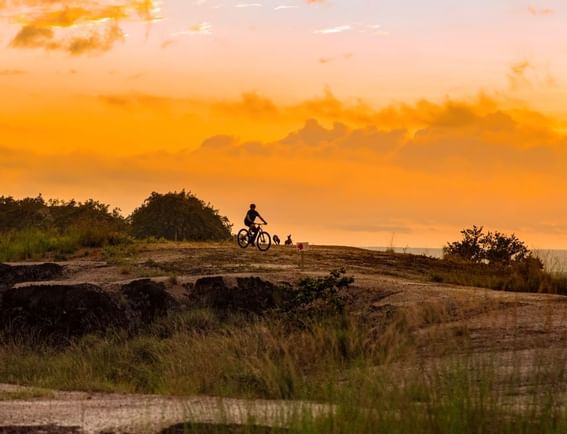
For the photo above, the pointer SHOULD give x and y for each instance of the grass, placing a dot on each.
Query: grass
(378, 380)
(25, 394)
(35, 244)
(258, 359)
(518, 278)
(375, 374)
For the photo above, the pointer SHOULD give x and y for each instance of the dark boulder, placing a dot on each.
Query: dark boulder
(60, 311)
(148, 299)
(12, 274)
(244, 294)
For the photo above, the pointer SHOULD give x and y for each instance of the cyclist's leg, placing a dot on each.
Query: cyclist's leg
(254, 231)
(251, 232)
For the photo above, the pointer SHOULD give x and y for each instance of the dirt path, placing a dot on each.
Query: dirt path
(114, 413)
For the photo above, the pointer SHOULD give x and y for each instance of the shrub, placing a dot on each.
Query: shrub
(317, 297)
(58, 215)
(179, 217)
(470, 248)
(494, 248)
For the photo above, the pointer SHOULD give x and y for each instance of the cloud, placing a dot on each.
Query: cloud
(12, 72)
(33, 37)
(285, 7)
(95, 41)
(219, 142)
(524, 74)
(251, 104)
(137, 101)
(204, 29)
(333, 30)
(313, 133)
(326, 60)
(453, 136)
(540, 12)
(74, 26)
(349, 167)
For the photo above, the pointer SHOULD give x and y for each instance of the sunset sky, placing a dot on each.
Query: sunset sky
(362, 122)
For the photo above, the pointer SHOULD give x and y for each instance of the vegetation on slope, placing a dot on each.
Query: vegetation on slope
(33, 228)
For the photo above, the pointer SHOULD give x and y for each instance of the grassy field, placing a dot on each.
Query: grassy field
(51, 244)
(422, 362)
(377, 379)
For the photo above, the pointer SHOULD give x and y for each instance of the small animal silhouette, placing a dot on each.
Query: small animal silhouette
(277, 240)
(289, 242)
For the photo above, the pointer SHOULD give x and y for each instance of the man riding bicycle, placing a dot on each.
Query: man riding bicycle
(249, 220)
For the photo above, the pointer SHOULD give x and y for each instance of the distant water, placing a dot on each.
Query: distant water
(554, 260)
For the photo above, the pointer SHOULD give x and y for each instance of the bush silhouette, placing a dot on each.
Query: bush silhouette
(91, 223)
(179, 216)
(494, 248)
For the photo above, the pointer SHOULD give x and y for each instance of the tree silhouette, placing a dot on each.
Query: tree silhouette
(56, 214)
(179, 216)
(494, 248)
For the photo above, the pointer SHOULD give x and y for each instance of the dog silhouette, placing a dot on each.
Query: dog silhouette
(277, 240)
(289, 242)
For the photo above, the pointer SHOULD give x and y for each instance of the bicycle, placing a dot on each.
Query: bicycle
(263, 239)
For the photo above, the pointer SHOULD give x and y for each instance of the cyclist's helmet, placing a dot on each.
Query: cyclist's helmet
(253, 206)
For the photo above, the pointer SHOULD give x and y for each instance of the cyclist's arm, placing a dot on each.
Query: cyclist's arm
(262, 218)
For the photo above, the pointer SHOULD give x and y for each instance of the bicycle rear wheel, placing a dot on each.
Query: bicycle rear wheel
(243, 238)
(264, 241)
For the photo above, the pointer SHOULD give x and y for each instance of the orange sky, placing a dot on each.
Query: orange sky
(346, 122)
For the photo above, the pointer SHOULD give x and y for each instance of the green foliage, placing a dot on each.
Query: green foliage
(31, 228)
(35, 244)
(469, 248)
(322, 294)
(180, 217)
(520, 276)
(59, 215)
(494, 248)
(466, 393)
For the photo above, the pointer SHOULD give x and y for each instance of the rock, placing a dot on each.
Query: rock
(148, 299)
(60, 311)
(208, 428)
(245, 294)
(12, 274)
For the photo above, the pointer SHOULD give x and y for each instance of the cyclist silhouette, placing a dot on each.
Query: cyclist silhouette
(249, 221)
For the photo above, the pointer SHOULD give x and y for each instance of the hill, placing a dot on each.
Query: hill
(213, 319)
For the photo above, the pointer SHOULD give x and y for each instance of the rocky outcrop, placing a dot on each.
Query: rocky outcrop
(60, 310)
(12, 274)
(245, 294)
(148, 300)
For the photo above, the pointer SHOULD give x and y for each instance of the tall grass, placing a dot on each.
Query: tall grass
(378, 381)
(35, 244)
(522, 277)
(196, 352)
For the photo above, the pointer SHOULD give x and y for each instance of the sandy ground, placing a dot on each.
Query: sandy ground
(114, 413)
(514, 331)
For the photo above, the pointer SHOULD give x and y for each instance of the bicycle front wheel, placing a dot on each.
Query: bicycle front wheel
(264, 241)
(243, 238)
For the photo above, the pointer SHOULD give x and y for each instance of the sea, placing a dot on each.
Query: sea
(555, 261)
